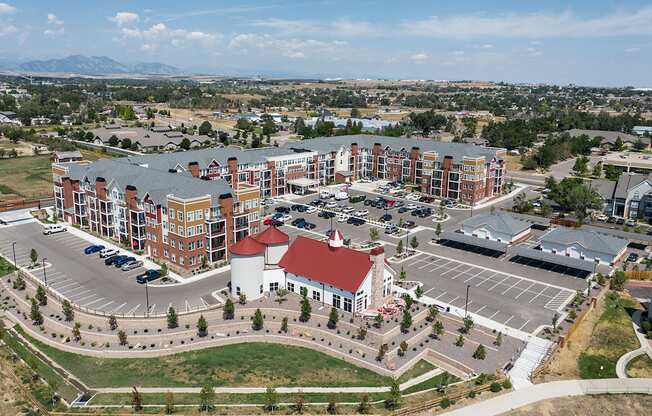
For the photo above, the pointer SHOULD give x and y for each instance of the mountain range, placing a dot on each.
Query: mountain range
(96, 65)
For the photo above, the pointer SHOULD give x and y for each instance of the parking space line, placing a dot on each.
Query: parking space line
(524, 290)
(439, 267)
(188, 308)
(509, 288)
(451, 270)
(474, 276)
(101, 307)
(510, 318)
(66, 285)
(494, 286)
(152, 309)
(453, 300)
(119, 307)
(481, 309)
(495, 313)
(537, 295)
(526, 322)
(68, 294)
(461, 273)
(440, 295)
(95, 301)
(86, 297)
(133, 310)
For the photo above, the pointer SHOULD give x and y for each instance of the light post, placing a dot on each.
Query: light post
(146, 298)
(13, 249)
(466, 303)
(45, 276)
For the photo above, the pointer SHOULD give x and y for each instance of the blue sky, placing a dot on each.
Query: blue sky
(592, 42)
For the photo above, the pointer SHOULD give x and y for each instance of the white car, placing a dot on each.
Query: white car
(342, 218)
(331, 204)
(362, 213)
(325, 194)
(311, 210)
(602, 218)
(348, 210)
(284, 217)
(53, 229)
(108, 252)
(413, 197)
(411, 206)
(630, 223)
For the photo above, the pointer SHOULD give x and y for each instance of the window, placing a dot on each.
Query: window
(316, 295)
(181, 231)
(273, 286)
(191, 245)
(200, 243)
(261, 288)
(190, 216)
(291, 287)
(198, 215)
(348, 305)
(337, 299)
(180, 215)
(172, 212)
(237, 290)
(191, 231)
(181, 260)
(173, 243)
(173, 227)
(180, 245)
(199, 229)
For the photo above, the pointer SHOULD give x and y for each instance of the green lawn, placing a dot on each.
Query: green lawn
(5, 267)
(418, 369)
(612, 337)
(433, 382)
(640, 367)
(247, 364)
(27, 176)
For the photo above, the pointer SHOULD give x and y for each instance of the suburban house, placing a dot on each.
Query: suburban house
(155, 139)
(64, 157)
(642, 130)
(9, 117)
(584, 244)
(608, 138)
(499, 227)
(629, 197)
(326, 271)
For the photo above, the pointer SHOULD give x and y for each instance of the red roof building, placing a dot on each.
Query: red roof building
(247, 247)
(271, 236)
(340, 267)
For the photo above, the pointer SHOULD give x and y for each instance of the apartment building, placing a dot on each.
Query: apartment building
(171, 216)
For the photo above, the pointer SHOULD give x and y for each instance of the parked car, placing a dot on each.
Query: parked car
(308, 226)
(148, 276)
(283, 210)
(409, 224)
(122, 261)
(357, 198)
(331, 204)
(273, 222)
(131, 265)
(348, 210)
(325, 194)
(326, 214)
(342, 218)
(386, 218)
(632, 258)
(403, 210)
(93, 249)
(411, 206)
(53, 229)
(109, 260)
(311, 210)
(341, 196)
(362, 213)
(298, 221)
(299, 208)
(391, 229)
(355, 221)
(630, 223)
(602, 218)
(282, 217)
(108, 252)
(620, 221)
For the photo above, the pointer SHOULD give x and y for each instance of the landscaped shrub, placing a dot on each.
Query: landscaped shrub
(495, 387)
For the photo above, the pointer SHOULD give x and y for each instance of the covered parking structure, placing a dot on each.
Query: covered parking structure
(474, 244)
(553, 262)
(302, 186)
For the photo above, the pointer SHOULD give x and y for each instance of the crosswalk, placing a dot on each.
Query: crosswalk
(559, 300)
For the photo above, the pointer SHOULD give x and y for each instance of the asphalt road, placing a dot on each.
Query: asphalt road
(86, 281)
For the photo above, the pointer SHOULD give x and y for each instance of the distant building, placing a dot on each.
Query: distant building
(642, 130)
(156, 139)
(9, 117)
(584, 245)
(607, 138)
(37, 121)
(634, 162)
(63, 157)
(629, 197)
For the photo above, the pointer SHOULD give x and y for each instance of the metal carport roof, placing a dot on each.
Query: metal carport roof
(566, 261)
(474, 241)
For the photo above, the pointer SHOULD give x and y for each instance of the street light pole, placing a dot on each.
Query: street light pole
(466, 303)
(45, 276)
(13, 249)
(146, 298)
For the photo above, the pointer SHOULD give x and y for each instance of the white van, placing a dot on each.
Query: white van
(53, 228)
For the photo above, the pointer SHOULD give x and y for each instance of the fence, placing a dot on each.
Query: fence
(639, 274)
(565, 222)
(22, 203)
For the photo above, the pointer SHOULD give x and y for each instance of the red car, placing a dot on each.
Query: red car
(272, 221)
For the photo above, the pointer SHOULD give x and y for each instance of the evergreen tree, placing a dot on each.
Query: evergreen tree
(306, 309)
(169, 403)
(332, 319)
(66, 309)
(271, 399)
(480, 353)
(206, 398)
(229, 309)
(394, 399)
(113, 323)
(331, 408)
(41, 297)
(136, 400)
(257, 323)
(202, 326)
(173, 320)
(459, 341)
(284, 324)
(35, 313)
(122, 337)
(438, 329)
(76, 332)
(406, 322)
(364, 407)
(399, 248)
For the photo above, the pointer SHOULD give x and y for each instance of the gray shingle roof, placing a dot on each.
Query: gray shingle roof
(590, 240)
(607, 136)
(627, 181)
(499, 222)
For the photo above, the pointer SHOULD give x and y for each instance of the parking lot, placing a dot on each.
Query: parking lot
(86, 281)
(509, 299)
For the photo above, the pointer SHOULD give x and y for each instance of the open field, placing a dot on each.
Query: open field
(640, 367)
(621, 404)
(31, 176)
(247, 364)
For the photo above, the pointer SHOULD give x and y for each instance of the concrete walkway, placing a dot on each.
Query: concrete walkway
(566, 388)
(646, 347)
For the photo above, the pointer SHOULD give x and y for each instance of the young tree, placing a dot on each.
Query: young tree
(378, 320)
(35, 313)
(480, 353)
(122, 337)
(332, 319)
(402, 275)
(284, 324)
(164, 270)
(19, 282)
(364, 407)
(331, 408)
(374, 235)
(414, 243)
(242, 299)
(76, 332)
(299, 404)
(438, 230)
(173, 320)
(433, 312)
(418, 292)
(438, 329)
(394, 399)
(136, 400)
(399, 248)
(229, 309)
(460, 341)
(41, 297)
(306, 309)
(206, 398)
(271, 399)
(468, 325)
(257, 323)
(499, 339)
(406, 322)
(381, 352)
(555, 321)
(113, 323)
(66, 309)
(362, 332)
(33, 256)
(402, 348)
(408, 300)
(202, 326)
(169, 403)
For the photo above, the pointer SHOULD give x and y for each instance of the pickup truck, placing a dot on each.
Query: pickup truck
(148, 276)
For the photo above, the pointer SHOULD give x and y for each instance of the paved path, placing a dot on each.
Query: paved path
(646, 347)
(515, 399)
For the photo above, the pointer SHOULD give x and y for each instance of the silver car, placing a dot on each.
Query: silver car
(132, 265)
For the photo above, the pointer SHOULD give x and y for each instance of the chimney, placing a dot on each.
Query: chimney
(193, 168)
(233, 170)
(131, 199)
(377, 257)
(100, 188)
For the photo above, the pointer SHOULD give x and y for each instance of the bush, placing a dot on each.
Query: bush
(495, 387)
(646, 326)
(445, 403)
(507, 384)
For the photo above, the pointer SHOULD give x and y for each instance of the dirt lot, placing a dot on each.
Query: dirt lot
(11, 396)
(23, 149)
(622, 405)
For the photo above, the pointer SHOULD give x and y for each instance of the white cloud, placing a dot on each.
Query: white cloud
(158, 34)
(343, 27)
(534, 25)
(458, 53)
(419, 57)
(55, 26)
(486, 46)
(293, 48)
(7, 30)
(346, 27)
(6, 9)
(633, 49)
(531, 52)
(125, 18)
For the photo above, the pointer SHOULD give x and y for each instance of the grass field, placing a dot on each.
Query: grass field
(31, 176)
(418, 369)
(248, 364)
(5, 267)
(640, 367)
(612, 336)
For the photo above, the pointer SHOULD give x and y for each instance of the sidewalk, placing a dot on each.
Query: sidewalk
(566, 388)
